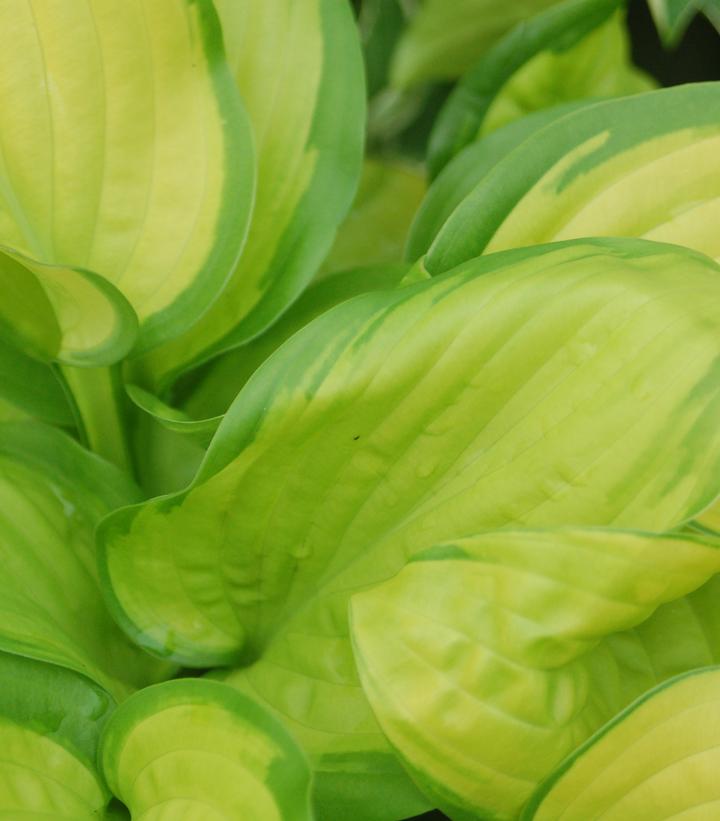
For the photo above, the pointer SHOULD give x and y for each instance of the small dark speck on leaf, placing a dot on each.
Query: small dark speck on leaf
(355, 438)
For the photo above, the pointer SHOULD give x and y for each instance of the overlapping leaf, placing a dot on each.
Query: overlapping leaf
(50, 722)
(658, 759)
(672, 17)
(575, 49)
(489, 679)
(200, 750)
(710, 518)
(126, 174)
(215, 390)
(514, 390)
(32, 388)
(468, 168)
(596, 172)
(376, 228)
(53, 494)
(326, 398)
(299, 69)
(219, 386)
(444, 39)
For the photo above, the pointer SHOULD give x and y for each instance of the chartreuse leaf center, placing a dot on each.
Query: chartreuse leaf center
(126, 176)
(511, 392)
(656, 759)
(200, 750)
(487, 681)
(50, 722)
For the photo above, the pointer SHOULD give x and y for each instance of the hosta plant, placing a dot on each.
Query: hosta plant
(345, 478)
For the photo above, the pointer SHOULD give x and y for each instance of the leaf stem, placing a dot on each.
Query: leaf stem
(100, 404)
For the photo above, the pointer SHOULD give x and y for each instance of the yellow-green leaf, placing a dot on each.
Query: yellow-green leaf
(127, 168)
(299, 69)
(52, 494)
(656, 760)
(596, 172)
(576, 49)
(481, 657)
(194, 749)
(571, 383)
(445, 37)
(50, 722)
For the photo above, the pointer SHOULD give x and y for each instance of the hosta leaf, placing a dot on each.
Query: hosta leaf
(215, 390)
(173, 419)
(50, 721)
(531, 387)
(33, 388)
(165, 461)
(678, 637)
(672, 17)
(225, 377)
(657, 759)
(573, 50)
(595, 172)
(467, 169)
(299, 69)
(381, 23)
(340, 382)
(196, 749)
(123, 132)
(53, 493)
(444, 39)
(90, 321)
(27, 319)
(711, 517)
(599, 65)
(376, 228)
(481, 683)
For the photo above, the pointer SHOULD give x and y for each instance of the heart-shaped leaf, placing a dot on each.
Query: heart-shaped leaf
(336, 422)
